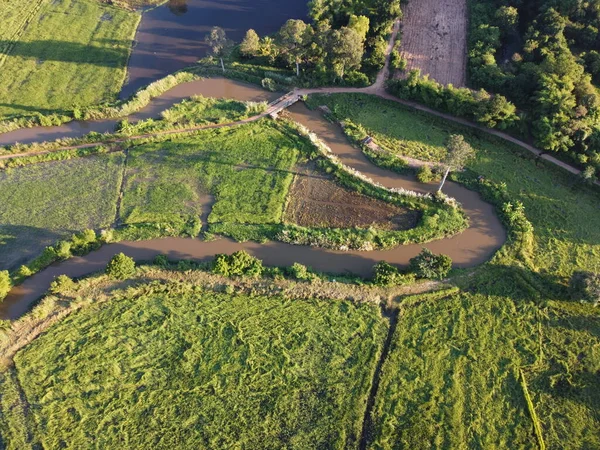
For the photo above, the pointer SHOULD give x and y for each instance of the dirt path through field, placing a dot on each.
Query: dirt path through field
(434, 39)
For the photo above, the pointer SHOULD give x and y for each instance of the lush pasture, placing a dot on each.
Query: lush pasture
(566, 215)
(70, 53)
(247, 169)
(44, 202)
(173, 366)
(196, 111)
(452, 378)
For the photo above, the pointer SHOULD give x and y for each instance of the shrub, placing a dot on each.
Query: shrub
(62, 284)
(5, 284)
(586, 286)
(429, 265)
(300, 272)
(239, 263)
(385, 274)
(161, 261)
(425, 174)
(120, 267)
(269, 84)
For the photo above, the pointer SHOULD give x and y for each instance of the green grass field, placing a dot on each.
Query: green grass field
(452, 377)
(62, 54)
(44, 202)
(173, 366)
(247, 169)
(565, 214)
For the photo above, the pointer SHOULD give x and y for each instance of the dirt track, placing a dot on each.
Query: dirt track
(435, 39)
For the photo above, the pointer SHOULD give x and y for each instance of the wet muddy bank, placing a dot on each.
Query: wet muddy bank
(472, 247)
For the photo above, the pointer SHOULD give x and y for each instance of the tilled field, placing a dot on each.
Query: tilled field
(434, 39)
(316, 201)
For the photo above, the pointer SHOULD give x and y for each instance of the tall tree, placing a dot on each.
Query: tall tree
(219, 44)
(346, 49)
(250, 46)
(360, 24)
(459, 154)
(292, 37)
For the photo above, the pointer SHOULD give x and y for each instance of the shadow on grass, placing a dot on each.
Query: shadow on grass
(70, 52)
(20, 244)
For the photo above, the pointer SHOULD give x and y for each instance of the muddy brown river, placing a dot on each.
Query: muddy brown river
(472, 247)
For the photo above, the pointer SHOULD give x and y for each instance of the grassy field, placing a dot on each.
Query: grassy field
(555, 202)
(247, 169)
(44, 202)
(174, 366)
(452, 377)
(55, 55)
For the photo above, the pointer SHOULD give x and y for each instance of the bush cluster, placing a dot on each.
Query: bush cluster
(120, 267)
(240, 263)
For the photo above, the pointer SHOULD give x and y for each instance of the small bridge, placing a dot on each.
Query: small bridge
(276, 106)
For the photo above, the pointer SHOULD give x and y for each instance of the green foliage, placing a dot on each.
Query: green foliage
(58, 54)
(238, 264)
(586, 286)
(426, 175)
(428, 265)
(5, 284)
(244, 371)
(300, 272)
(250, 46)
(62, 284)
(385, 274)
(120, 267)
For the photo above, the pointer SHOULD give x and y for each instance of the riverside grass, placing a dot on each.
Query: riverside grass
(453, 375)
(70, 53)
(564, 213)
(45, 202)
(174, 366)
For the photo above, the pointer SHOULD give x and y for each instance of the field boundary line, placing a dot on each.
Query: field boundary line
(12, 41)
(531, 407)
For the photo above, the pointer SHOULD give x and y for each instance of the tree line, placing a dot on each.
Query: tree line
(544, 56)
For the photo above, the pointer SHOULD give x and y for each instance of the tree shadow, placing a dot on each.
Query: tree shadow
(20, 244)
(70, 52)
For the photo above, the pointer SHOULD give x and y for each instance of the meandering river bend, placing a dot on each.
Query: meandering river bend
(474, 246)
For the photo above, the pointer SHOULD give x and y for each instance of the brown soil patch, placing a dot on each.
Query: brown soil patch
(316, 201)
(434, 39)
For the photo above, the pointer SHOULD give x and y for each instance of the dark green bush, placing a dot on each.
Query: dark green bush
(429, 265)
(586, 286)
(120, 267)
(299, 272)
(385, 274)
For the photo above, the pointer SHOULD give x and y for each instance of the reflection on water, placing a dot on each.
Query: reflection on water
(178, 7)
(171, 37)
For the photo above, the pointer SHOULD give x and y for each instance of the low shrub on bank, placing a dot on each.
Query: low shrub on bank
(5, 284)
(384, 274)
(238, 264)
(429, 265)
(120, 267)
(62, 284)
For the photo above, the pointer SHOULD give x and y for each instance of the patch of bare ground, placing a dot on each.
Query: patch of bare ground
(316, 201)
(434, 39)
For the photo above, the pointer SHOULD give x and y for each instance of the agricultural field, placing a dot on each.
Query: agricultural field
(453, 375)
(45, 202)
(434, 39)
(555, 202)
(60, 54)
(316, 201)
(176, 366)
(248, 171)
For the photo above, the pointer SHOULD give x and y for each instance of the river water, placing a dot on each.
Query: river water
(472, 247)
(171, 36)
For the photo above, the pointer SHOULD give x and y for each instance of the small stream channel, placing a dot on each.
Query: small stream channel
(472, 247)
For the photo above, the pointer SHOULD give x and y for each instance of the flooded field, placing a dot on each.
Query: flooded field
(171, 36)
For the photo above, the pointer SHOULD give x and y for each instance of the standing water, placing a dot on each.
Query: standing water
(171, 36)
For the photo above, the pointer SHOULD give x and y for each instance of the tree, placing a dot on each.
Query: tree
(62, 284)
(459, 154)
(345, 50)
(589, 175)
(586, 286)
(507, 18)
(120, 267)
(292, 38)
(429, 265)
(360, 24)
(5, 284)
(250, 46)
(220, 46)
